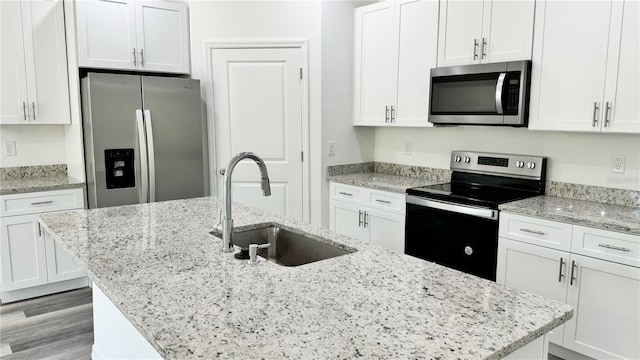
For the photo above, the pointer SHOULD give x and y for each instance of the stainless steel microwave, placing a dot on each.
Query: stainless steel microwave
(483, 94)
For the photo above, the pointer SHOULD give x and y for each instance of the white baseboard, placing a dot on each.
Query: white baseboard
(564, 353)
(47, 289)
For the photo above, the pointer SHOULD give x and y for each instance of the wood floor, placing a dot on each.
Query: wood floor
(53, 327)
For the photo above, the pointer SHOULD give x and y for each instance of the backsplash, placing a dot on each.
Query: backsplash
(29, 172)
(553, 188)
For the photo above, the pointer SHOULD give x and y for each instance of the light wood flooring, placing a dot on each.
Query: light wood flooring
(53, 327)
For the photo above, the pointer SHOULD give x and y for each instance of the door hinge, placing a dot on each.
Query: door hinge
(300, 73)
(302, 156)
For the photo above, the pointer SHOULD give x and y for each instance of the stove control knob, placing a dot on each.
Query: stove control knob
(531, 165)
(467, 159)
(458, 159)
(520, 164)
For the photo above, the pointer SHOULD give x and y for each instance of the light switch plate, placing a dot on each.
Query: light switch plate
(10, 148)
(331, 147)
(408, 147)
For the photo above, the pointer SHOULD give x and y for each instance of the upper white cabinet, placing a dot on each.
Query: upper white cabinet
(133, 35)
(473, 32)
(34, 87)
(585, 66)
(394, 52)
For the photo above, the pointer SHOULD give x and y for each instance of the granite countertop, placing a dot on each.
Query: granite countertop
(19, 186)
(160, 266)
(380, 181)
(588, 213)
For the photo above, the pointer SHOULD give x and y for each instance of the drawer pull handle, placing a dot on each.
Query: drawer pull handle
(533, 231)
(359, 218)
(383, 201)
(573, 269)
(560, 274)
(366, 219)
(42, 202)
(345, 193)
(620, 248)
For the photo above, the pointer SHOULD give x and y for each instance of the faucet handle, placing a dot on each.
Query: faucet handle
(253, 252)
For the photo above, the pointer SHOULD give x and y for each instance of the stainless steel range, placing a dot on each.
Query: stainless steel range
(456, 224)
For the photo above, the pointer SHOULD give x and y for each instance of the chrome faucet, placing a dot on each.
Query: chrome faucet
(226, 220)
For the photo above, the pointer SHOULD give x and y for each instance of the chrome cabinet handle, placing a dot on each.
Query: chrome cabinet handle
(619, 248)
(595, 113)
(345, 193)
(560, 274)
(607, 108)
(134, 57)
(42, 202)
(393, 114)
(39, 230)
(33, 107)
(383, 201)
(24, 110)
(366, 219)
(475, 49)
(142, 57)
(484, 45)
(537, 232)
(386, 114)
(573, 269)
(359, 218)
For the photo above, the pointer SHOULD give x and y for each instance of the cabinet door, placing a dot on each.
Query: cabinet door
(417, 26)
(459, 41)
(46, 59)
(385, 229)
(162, 36)
(13, 87)
(568, 68)
(535, 269)
(347, 219)
(106, 34)
(60, 265)
(606, 318)
(623, 69)
(22, 253)
(507, 30)
(374, 63)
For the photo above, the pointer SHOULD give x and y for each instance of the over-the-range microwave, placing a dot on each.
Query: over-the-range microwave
(483, 94)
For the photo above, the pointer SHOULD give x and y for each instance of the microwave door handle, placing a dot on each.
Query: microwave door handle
(499, 88)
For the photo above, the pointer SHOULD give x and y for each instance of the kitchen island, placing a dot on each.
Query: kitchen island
(164, 272)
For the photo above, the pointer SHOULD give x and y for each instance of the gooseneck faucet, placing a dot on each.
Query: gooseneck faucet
(227, 221)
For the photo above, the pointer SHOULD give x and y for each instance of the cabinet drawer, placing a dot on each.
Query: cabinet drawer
(388, 201)
(535, 231)
(348, 193)
(606, 245)
(40, 202)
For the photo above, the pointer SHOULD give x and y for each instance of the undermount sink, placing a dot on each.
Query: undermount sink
(287, 248)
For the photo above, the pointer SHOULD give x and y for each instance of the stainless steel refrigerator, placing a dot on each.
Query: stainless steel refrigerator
(144, 139)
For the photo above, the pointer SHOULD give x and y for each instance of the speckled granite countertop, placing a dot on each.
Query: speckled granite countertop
(379, 181)
(18, 186)
(159, 265)
(605, 216)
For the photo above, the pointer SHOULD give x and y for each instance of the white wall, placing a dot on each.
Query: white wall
(579, 158)
(35, 144)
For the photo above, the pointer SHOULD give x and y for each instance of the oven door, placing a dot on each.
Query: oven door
(457, 236)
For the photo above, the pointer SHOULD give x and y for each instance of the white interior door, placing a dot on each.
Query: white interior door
(258, 107)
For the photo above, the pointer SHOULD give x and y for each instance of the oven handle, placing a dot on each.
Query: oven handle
(456, 208)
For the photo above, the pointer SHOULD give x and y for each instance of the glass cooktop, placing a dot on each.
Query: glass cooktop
(471, 194)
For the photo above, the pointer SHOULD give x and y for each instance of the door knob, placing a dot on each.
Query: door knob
(223, 171)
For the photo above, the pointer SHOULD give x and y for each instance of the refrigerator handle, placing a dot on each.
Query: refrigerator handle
(151, 156)
(144, 171)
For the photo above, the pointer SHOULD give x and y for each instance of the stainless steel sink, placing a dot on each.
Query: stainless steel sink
(287, 248)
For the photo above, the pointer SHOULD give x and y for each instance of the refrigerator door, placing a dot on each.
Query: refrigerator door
(112, 142)
(175, 129)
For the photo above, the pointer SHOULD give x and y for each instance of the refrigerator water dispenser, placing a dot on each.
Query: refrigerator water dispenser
(119, 168)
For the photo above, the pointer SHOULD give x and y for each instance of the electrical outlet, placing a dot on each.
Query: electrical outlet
(407, 147)
(617, 164)
(10, 148)
(331, 148)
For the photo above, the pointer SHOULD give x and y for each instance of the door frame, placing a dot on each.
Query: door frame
(303, 46)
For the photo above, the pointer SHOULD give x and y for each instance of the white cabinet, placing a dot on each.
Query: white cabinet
(373, 216)
(473, 32)
(34, 87)
(603, 290)
(585, 66)
(394, 52)
(140, 35)
(31, 264)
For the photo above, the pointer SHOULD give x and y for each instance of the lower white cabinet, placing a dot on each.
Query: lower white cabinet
(604, 294)
(31, 263)
(373, 216)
